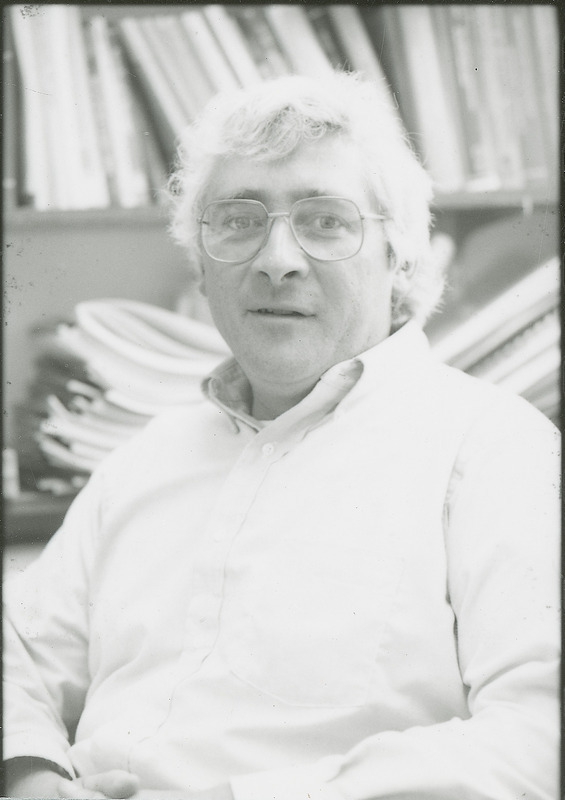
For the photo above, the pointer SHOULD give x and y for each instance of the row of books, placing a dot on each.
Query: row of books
(103, 103)
(477, 85)
(80, 134)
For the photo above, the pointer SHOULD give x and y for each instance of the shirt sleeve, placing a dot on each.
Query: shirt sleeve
(502, 524)
(46, 671)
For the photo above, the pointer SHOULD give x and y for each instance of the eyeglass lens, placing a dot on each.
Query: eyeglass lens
(327, 228)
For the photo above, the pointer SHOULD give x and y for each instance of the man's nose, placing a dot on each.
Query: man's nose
(281, 256)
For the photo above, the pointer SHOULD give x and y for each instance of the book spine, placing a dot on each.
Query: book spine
(37, 166)
(155, 165)
(319, 17)
(384, 30)
(544, 30)
(130, 177)
(441, 149)
(164, 106)
(168, 60)
(181, 62)
(65, 131)
(495, 82)
(355, 41)
(205, 46)
(260, 41)
(94, 192)
(11, 179)
(457, 45)
(529, 114)
(297, 40)
(231, 41)
(97, 85)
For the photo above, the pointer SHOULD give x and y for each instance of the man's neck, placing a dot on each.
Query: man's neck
(269, 405)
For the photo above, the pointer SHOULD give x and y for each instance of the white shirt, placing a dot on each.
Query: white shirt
(357, 599)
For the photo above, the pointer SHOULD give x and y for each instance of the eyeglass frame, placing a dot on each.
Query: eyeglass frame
(272, 215)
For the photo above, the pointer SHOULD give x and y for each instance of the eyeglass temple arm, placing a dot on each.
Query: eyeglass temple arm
(373, 216)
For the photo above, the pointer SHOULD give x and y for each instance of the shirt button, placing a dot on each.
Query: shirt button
(268, 449)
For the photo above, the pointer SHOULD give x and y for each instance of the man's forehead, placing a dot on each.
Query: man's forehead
(328, 167)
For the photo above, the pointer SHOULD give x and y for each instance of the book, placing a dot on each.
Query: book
(544, 31)
(260, 41)
(440, 147)
(529, 112)
(360, 51)
(319, 17)
(204, 44)
(191, 76)
(231, 41)
(297, 40)
(37, 173)
(496, 80)
(456, 37)
(11, 155)
(383, 29)
(170, 62)
(92, 191)
(117, 118)
(165, 109)
(154, 160)
(355, 42)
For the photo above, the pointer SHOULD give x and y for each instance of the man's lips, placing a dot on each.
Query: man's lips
(280, 312)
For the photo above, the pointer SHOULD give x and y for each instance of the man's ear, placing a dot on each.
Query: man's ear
(403, 272)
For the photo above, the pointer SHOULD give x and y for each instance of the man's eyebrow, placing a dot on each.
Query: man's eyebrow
(245, 194)
(258, 194)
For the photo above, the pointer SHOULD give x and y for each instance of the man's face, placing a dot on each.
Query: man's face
(341, 308)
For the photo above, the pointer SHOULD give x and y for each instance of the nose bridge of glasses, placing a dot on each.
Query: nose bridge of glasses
(274, 238)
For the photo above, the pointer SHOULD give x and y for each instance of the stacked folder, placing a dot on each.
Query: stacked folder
(106, 374)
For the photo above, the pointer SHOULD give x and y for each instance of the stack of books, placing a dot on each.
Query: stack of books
(101, 378)
(477, 87)
(514, 340)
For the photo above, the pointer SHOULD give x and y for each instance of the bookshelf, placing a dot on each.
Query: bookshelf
(102, 235)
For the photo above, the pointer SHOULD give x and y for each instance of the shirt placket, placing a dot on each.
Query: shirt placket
(237, 496)
(239, 491)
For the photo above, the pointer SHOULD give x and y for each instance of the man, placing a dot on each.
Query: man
(335, 578)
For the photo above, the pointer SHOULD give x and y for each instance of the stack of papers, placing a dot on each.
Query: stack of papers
(119, 364)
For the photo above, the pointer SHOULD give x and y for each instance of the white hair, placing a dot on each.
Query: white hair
(271, 119)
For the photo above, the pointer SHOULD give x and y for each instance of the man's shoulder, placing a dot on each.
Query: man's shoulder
(483, 404)
(170, 434)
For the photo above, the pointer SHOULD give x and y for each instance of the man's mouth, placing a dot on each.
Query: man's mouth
(280, 312)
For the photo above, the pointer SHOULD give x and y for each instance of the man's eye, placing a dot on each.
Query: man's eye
(243, 223)
(328, 222)
(239, 223)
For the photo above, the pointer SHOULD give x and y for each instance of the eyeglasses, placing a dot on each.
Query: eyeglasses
(326, 228)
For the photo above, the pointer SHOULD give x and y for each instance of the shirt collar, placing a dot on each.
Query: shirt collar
(404, 352)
